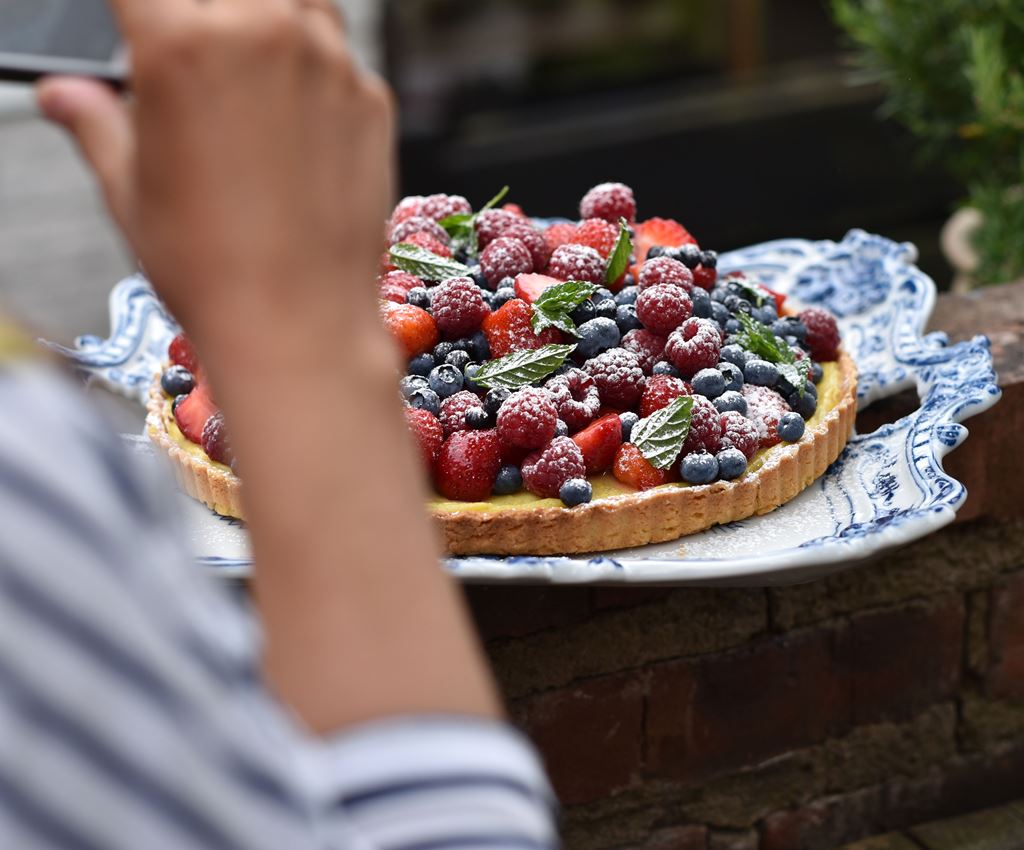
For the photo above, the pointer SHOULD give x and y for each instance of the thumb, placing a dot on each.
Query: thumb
(99, 123)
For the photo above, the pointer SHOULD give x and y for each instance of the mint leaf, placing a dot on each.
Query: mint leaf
(522, 368)
(493, 202)
(661, 435)
(462, 226)
(458, 223)
(553, 306)
(618, 262)
(757, 338)
(752, 291)
(423, 264)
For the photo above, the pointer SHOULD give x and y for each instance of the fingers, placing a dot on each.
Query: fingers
(98, 121)
(136, 17)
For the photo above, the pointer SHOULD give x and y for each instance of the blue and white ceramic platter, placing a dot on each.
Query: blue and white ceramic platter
(887, 489)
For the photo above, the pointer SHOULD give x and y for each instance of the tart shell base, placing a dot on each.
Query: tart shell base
(661, 514)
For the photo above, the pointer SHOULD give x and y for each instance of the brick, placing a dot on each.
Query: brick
(889, 841)
(590, 736)
(625, 596)
(713, 714)
(898, 662)
(685, 622)
(985, 723)
(1006, 641)
(977, 632)
(993, 829)
(627, 819)
(743, 839)
(510, 611)
(690, 837)
(983, 779)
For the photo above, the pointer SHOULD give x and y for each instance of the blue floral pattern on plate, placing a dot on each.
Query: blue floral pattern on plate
(888, 488)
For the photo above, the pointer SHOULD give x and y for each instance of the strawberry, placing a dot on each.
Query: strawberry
(427, 433)
(530, 286)
(633, 469)
(508, 329)
(193, 413)
(468, 465)
(182, 353)
(599, 442)
(658, 231)
(780, 299)
(413, 328)
(598, 234)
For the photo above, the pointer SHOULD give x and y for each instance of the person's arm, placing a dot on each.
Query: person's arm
(251, 176)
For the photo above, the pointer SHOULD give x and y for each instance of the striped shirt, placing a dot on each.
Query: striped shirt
(132, 715)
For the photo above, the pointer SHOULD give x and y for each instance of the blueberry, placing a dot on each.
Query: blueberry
(789, 326)
(663, 367)
(804, 404)
(733, 375)
(477, 274)
(701, 303)
(461, 345)
(791, 427)
(784, 386)
(419, 296)
(596, 336)
(780, 327)
(731, 400)
(736, 304)
(576, 491)
(656, 251)
(561, 429)
(502, 297)
(732, 326)
(445, 380)
(477, 419)
(735, 354)
(720, 293)
(507, 283)
(627, 295)
(410, 384)
(709, 259)
(817, 372)
(442, 350)
(584, 312)
(628, 282)
(509, 481)
(177, 400)
(625, 318)
(494, 399)
(602, 293)
(764, 315)
(459, 358)
(177, 380)
(760, 373)
(699, 468)
(732, 463)
(605, 308)
(468, 374)
(426, 400)
(689, 256)
(628, 420)
(709, 383)
(719, 312)
(478, 347)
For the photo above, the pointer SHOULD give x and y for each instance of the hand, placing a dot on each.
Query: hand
(251, 175)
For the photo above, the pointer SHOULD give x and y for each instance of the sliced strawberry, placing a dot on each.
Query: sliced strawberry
(468, 465)
(193, 413)
(599, 442)
(780, 299)
(633, 469)
(427, 433)
(530, 286)
(181, 353)
(413, 328)
(508, 329)
(658, 231)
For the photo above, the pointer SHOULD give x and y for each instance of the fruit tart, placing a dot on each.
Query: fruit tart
(576, 387)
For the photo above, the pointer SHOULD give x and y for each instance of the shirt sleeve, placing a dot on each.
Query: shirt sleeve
(131, 710)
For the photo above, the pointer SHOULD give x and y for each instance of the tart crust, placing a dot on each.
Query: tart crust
(614, 522)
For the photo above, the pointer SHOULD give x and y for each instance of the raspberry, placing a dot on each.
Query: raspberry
(764, 408)
(558, 234)
(515, 209)
(439, 207)
(663, 307)
(661, 391)
(426, 241)
(577, 262)
(504, 257)
(544, 472)
(395, 286)
(822, 333)
(705, 427)
(527, 419)
(181, 353)
(610, 201)
(618, 376)
(458, 307)
(467, 465)
(454, 410)
(508, 329)
(394, 294)
(427, 433)
(705, 278)
(694, 345)
(598, 234)
(413, 328)
(665, 270)
(491, 224)
(534, 241)
(648, 347)
(633, 469)
(417, 224)
(215, 440)
(576, 398)
(738, 432)
(407, 208)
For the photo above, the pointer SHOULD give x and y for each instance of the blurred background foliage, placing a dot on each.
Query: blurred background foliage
(952, 71)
